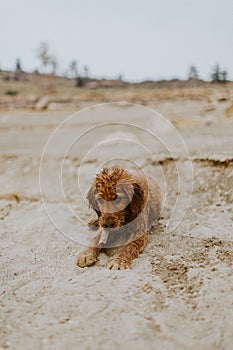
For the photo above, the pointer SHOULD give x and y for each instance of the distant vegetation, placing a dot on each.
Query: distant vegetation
(18, 66)
(48, 65)
(193, 73)
(218, 75)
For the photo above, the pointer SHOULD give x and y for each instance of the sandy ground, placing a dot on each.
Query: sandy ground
(178, 293)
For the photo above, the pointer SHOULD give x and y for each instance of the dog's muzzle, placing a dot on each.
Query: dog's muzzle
(109, 222)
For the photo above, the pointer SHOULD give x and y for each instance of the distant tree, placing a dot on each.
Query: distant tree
(54, 64)
(193, 73)
(18, 70)
(43, 55)
(73, 69)
(224, 75)
(120, 77)
(86, 71)
(218, 76)
(18, 66)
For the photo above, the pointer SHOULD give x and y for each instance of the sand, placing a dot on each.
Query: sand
(178, 294)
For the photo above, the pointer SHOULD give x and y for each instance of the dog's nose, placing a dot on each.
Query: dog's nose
(108, 224)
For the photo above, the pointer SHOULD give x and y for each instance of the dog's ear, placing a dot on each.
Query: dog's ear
(92, 201)
(137, 203)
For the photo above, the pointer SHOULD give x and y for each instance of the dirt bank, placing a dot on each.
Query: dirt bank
(178, 293)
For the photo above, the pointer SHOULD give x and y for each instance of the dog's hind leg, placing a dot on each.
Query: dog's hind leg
(128, 253)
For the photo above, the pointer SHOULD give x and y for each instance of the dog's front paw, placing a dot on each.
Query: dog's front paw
(86, 258)
(119, 264)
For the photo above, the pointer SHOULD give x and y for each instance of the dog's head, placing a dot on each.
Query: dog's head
(116, 198)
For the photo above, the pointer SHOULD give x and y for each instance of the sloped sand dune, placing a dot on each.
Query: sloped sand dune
(178, 293)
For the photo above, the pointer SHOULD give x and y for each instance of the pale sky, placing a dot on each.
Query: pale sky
(141, 39)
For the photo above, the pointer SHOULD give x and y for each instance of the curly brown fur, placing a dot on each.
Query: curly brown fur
(126, 205)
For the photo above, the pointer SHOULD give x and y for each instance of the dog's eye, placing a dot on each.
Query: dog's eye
(117, 199)
(100, 200)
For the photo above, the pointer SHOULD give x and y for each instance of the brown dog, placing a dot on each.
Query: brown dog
(127, 206)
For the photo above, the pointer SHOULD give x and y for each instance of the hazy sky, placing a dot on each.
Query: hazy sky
(142, 39)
